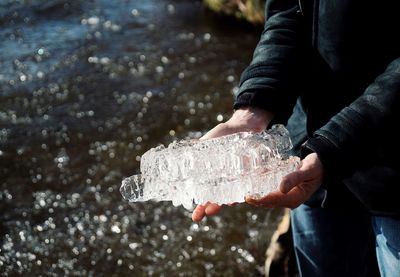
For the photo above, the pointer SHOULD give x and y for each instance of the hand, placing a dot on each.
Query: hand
(296, 187)
(243, 120)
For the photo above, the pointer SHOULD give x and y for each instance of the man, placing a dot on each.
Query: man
(330, 70)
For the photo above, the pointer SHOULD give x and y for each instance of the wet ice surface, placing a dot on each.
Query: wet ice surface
(220, 170)
(86, 87)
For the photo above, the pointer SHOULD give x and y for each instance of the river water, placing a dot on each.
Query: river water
(86, 88)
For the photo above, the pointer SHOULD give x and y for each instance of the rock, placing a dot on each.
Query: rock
(280, 257)
(249, 10)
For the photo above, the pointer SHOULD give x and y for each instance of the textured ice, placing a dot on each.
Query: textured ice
(220, 170)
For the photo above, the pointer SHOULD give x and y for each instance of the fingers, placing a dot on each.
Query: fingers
(293, 179)
(296, 196)
(221, 129)
(208, 209)
(269, 201)
(292, 199)
(212, 209)
(199, 213)
(275, 200)
(290, 181)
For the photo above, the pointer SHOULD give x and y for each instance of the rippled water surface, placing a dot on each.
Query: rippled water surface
(86, 88)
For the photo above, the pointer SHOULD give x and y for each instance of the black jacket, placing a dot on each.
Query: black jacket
(340, 62)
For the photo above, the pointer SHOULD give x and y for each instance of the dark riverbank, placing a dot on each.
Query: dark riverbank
(246, 10)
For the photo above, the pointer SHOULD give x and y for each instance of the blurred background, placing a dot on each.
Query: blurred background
(86, 87)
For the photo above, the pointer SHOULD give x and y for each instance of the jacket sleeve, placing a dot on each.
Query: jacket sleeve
(351, 138)
(269, 82)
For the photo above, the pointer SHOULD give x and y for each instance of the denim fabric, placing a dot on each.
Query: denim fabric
(387, 231)
(331, 242)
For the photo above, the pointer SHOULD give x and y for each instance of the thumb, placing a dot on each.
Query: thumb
(293, 179)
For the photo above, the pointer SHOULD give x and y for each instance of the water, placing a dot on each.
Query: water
(86, 88)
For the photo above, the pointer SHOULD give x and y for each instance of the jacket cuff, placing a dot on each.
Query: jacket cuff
(266, 101)
(326, 152)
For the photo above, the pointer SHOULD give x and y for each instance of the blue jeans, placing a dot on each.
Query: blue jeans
(387, 232)
(336, 243)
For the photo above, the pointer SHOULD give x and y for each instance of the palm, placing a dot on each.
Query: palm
(296, 187)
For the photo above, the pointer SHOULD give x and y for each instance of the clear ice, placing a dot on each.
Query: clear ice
(220, 170)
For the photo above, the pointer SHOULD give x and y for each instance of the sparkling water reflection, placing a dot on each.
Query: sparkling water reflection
(86, 88)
